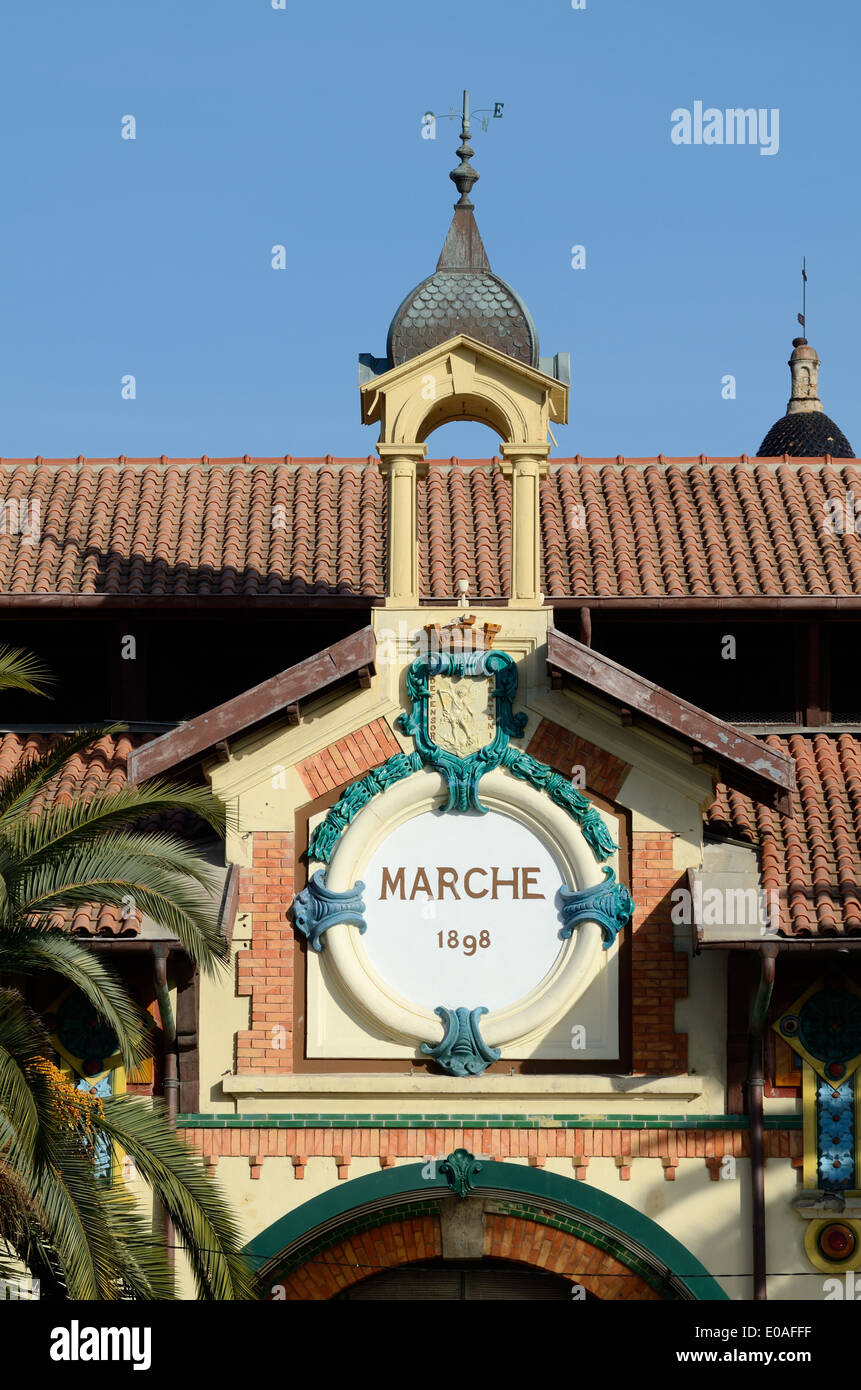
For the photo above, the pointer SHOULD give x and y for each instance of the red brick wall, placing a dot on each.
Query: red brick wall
(349, 758)
(532, 1243)
(264, 972)
(563, 751)
(364, 1254)
(659, 974)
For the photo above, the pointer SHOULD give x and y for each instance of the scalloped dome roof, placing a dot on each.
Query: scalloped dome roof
(462, 300)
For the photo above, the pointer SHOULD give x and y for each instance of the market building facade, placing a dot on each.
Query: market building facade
(543, 922)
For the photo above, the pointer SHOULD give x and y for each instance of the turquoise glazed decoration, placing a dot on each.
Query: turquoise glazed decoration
(835, 1125)
(317, 907)
(829, 1026)
(564, 794)
(609, 904)
(463, 1051)
(358, 794)
(463, 718)
(459, 1169)
(463, 774)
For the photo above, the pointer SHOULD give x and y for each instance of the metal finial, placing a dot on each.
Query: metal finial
(802, 317)
(464, 176)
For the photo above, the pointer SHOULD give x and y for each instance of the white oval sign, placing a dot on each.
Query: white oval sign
(462, 910)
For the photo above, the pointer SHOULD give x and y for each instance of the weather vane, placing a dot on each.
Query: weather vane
(487, 113)
(802, 317)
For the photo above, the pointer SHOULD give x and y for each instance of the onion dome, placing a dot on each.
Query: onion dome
(805, 431)
(463, 295)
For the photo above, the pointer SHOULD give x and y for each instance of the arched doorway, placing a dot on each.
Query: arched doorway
(469, 1216)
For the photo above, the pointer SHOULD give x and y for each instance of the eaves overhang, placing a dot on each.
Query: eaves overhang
(745, 762)
(353, 656)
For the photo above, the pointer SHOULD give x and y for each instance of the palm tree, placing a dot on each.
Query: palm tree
(84, 1238)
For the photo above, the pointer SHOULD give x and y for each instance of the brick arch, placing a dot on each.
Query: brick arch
(560, 1252)
(355, 1257)
(412, 1239)
(547, 1221)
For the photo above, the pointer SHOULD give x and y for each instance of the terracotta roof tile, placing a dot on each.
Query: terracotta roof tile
(611, 528)
(188, 527)
(686, 527)
(813, 859)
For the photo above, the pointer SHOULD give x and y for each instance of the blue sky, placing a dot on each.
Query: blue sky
(302, 127)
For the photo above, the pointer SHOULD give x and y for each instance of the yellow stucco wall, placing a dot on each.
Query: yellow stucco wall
(664, 792)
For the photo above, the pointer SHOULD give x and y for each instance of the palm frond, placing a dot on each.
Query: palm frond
(90, 1236)
(140, 1260)
(160, 848)
(99, 875)
(22, 1038)
(190, 1197)
(58, 1179)
(85, 818)
(21, 785)
(20, 670)
(31, 949)
(69, 1206)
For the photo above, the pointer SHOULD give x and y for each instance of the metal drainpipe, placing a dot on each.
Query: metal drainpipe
(755, 1084)
(170, 1079)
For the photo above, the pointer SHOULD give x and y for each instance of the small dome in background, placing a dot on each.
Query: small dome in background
(805, 431)
(806, 436)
